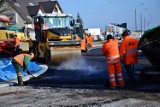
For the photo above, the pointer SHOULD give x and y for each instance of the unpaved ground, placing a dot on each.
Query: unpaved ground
(50, 97)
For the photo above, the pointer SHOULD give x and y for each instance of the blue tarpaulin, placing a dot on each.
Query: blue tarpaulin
(7, 70)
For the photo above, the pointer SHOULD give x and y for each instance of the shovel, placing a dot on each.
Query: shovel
(30, 73)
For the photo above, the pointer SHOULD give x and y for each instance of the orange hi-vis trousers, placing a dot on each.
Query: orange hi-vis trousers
(115, 70)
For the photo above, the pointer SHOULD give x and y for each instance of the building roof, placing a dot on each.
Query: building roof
(20, 6)
(49, 6)
(45, 7)
(33, 10)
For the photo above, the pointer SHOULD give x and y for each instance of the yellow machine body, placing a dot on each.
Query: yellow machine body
(54, 44)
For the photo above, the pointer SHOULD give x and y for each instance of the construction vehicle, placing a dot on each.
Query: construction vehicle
(24, 45)
(149, 44)
(6, 37)
(54, 40)
(7, 42)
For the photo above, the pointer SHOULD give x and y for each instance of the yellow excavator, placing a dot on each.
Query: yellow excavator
(54, 40)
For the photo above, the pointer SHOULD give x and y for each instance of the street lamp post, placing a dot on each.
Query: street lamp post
(136, 17)
(144, 24)
(141, 23)
(145, 19)
(135, 20)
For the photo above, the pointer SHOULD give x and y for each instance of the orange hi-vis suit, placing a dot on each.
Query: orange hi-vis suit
(89, 40)
(83, 43)
(129, 56)
(77, 37)
(17, 41)
(110, 49)
(20, 58)
(19, 61)
(128, 50)
(17, 45)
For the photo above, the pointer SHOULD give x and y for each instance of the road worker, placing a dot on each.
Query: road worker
(17, 45)
(129, 54)
(19, 61)
(110, 49)
(89, 40)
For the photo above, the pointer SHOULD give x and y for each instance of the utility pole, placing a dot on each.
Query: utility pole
(135, 20)
(136, 17)
(144, 24)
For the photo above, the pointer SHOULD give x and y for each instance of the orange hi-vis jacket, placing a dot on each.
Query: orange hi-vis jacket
(77, 37)
(20, 59)
(89, 40)
(83, 44)
(17, 41)
(110, 49)
(128, 50)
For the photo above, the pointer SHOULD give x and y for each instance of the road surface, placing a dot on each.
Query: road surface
(82, 82)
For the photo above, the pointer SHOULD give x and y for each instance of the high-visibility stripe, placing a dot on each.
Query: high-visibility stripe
(20, 57)
(114, 61)
(115, 56)
(112, 79)
(111, 75)
(131, 51)
(120, 79)
(120, 74)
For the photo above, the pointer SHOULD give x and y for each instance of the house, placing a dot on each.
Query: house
(20, 12)
(116, 29)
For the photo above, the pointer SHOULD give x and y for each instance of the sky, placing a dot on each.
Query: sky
(100, 13)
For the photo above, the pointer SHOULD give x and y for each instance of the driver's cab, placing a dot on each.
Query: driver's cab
(57, 21)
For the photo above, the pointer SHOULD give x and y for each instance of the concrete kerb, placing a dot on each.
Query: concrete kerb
(25, 78)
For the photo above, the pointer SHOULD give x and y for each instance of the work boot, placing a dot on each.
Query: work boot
(21, 84)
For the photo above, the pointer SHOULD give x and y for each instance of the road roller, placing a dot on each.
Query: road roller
(53, 42)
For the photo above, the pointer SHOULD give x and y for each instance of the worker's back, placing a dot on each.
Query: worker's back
(129, 46)
(110, 48)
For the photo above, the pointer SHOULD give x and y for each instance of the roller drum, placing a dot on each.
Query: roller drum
(59, 55)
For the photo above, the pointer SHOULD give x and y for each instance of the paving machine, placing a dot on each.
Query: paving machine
(54, 42)
(149, 44)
